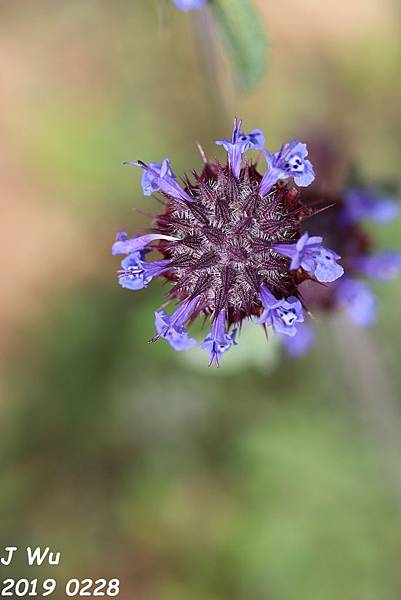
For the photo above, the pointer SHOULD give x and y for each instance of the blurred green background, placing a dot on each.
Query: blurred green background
(271, 479)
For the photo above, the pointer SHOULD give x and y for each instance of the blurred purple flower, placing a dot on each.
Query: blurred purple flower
(383, 266)
(189, 4)
(301, 343)
(364, 204)
(358, 301)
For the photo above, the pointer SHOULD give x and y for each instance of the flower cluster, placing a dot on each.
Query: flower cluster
(232, 244)
(343, 227)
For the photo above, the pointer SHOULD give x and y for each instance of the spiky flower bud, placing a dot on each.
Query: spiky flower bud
(231, 243)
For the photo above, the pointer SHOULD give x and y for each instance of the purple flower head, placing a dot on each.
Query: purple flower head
(301, 343)
(189, 4)
(364, 204)
(224, 245)
(136, 274)
(281, 314)
(383, 266)
(218, 340)
(358, 301)
(171, 327)
(289, 161)
(241, 142)
(159, 177)
(308, 254)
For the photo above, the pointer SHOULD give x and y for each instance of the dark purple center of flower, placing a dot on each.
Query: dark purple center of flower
(226, 236)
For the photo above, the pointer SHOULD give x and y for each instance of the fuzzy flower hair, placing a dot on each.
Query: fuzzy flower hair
(231, 243)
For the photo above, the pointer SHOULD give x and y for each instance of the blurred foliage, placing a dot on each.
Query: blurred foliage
(245, 37)
(182, 484)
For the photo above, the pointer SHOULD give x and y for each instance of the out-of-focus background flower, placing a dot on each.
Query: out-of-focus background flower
(272, 478)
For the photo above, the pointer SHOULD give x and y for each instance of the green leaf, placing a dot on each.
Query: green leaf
(244, 35)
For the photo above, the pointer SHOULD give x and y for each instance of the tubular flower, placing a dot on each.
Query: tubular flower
(289, 161)
(218, 341)
(343, 227)
(311, 256)
(280, 314)
(232, 248)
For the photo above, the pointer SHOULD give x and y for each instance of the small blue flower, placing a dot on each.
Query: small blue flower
(189, 4)
(301, 343)
(289, 161)
(218, 340)
(383, 266)
(282, 314)
(241, 142)
(358, 301)
(131, 275)
(160, 177)
(125, 245)
(308, 253)
(171, 327)
(151, 176)
(136, 274)
(364, 204)
(177, 336)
